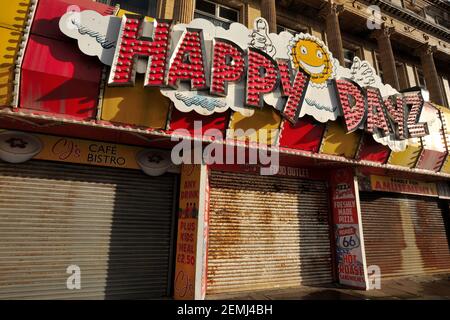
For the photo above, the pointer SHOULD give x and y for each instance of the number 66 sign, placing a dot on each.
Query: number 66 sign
(347, 238)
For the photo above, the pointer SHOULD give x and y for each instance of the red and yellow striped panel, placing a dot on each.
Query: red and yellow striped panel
(14, 14)
(263, 119)
(305, 135)
(336, 141)
(9, 46)
(136, 105)
(445, 118)
(408, 157)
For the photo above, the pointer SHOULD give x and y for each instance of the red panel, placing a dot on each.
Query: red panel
(57, 78)
(48, 13)
(305, 135)
(431, 160)
(185, 120)
(371, 150)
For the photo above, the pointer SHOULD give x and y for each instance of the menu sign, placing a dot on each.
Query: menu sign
(187, 232)
(347, 229)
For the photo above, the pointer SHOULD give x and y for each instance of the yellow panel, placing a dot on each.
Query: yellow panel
(408, 157)
(265, 118)
(9, 45)
(136, 105)
(445, 116)
(14, 14)
(122, 12)
(446, 166)
(6, 85)
(337, 141)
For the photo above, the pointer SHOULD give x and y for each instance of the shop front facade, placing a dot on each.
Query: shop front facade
(96, 204)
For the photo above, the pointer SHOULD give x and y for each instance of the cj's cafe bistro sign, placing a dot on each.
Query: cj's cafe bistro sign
(207, 69)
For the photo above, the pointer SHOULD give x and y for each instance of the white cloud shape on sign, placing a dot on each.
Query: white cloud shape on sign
(433, 141)
(96, 34)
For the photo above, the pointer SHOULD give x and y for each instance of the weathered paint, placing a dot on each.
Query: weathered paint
(337, 141)
(408, 157)
(263, 231)
(136, 106)
(13, 14)
(58, 78)
(265, 118)
(9, 47)
(306, 134)
(370, 150)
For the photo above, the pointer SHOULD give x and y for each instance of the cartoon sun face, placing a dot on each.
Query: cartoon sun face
(313, 57)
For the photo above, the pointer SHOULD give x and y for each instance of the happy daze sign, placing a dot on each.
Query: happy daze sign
(209, 69)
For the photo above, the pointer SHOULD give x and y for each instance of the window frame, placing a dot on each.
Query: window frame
(282, 27)
(351, 46)
(377, 60)
(417, 70)
(216, 15)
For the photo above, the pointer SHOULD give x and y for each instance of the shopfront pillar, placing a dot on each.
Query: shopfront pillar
(430, 73)
(383, 37)
(269, 12)
(184, 11)
(330, 13)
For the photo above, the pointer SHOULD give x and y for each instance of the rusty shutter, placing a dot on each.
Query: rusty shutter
(115, 224)
(404, 235)
(267, 232)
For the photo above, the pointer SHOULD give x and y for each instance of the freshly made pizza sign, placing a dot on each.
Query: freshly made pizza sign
(209, 69)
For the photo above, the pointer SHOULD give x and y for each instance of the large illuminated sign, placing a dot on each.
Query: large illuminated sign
(209, 69)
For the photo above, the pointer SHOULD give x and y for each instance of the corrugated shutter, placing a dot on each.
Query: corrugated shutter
(115, 224)
(404, 235)
(267, 232)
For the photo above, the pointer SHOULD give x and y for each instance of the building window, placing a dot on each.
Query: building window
(445, 90)
(421, 79)
(349, 54)
(402, 75)
(143, 7)
(281, 28)
(218, 14)
(443, 22)
(379, 69)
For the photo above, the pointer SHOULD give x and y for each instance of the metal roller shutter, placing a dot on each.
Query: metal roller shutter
(267, 232)
(404, 235)
(115, 224)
